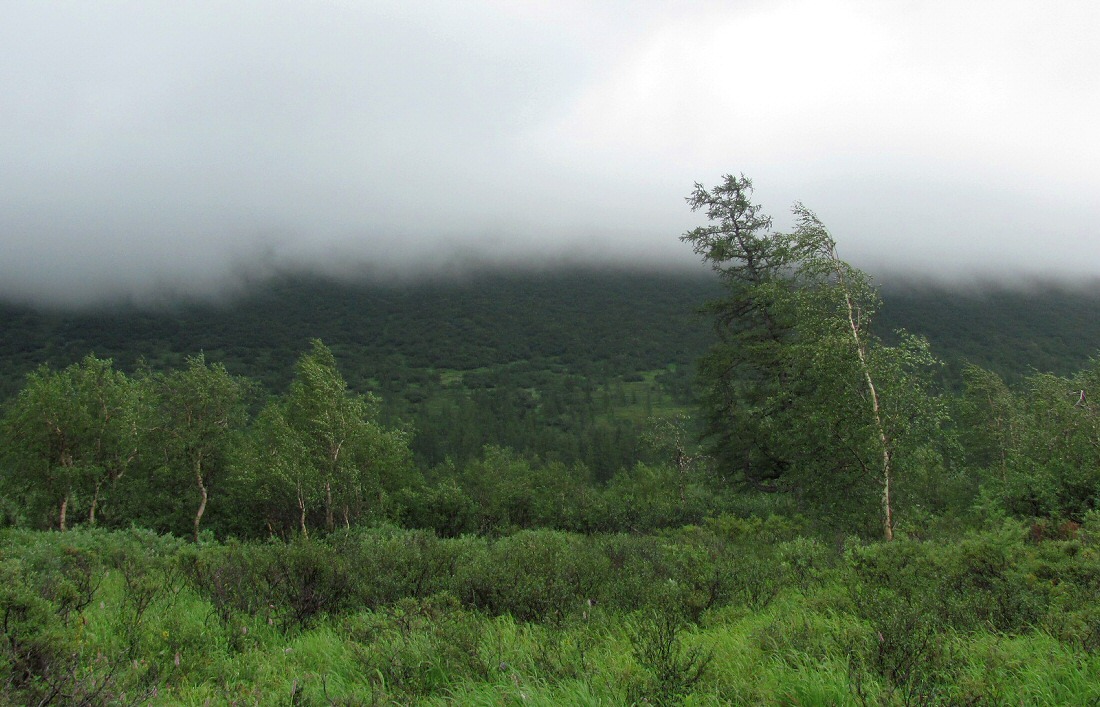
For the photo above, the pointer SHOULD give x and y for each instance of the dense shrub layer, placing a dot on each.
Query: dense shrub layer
(736, 611)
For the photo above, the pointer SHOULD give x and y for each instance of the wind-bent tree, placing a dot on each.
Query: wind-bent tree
(72, 433)
(330, 421)
(201, 408)
(799, 392)
(280, 470)
(744, 373)
(323, 444)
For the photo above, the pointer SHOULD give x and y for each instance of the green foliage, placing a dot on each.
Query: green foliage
(535, 575)
(987, 580)
(320, 451)
(418, 647)
(1008, 328)
(202, 415)
(335, 430)
(800, 394)
(740, 373)
(230, 578)
(1035, 450)
(69, 436)
(534, 362)
(578, 547)
(672, 671)
(51, 648)
(445, 508)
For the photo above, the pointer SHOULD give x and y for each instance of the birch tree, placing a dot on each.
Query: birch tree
(321, 445)
(201, 408)
(281, 473)
(330, 421)
(72, 433)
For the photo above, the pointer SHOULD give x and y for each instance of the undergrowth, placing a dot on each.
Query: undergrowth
(731, 613)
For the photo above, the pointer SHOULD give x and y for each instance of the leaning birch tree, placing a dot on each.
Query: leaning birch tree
(821, 266)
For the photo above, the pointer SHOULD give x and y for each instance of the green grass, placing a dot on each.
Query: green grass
(639, 401)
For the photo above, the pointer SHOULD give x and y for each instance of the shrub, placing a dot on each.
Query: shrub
(390, 564)
(534, 575)
(981, 581)
(308, 578)
(417, 647)
(232, 577)
(445, 508)
(671, 670)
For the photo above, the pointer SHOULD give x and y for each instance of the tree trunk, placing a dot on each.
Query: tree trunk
(330, 523)
(64, 508)
(203, 496)
(334, 461)
(95, 503)
(302, 514)
(887, 466)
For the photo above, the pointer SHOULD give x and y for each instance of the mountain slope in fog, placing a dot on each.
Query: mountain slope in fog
(592, 322)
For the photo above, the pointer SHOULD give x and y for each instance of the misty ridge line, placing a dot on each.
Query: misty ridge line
(268, 313)
(248, 277)
(235, 275)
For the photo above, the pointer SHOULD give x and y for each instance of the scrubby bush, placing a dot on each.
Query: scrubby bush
(445, 508)
(671, 670)
(232, 577)
(390, 564)
(984, 580)
(417, 647)
(534, 575)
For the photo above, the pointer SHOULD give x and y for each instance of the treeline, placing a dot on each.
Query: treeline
(595, 323)
(562, 366)
(197, 449)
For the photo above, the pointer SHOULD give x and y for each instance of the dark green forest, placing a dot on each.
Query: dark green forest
(598, 323)
(586, 486)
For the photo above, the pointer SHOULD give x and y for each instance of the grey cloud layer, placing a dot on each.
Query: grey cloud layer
(170, 145)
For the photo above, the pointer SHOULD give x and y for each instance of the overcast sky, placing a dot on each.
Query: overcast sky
(152, 145)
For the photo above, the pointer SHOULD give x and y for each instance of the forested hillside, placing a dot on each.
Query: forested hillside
(560, 363)
(589, 322)
(602, 323)
(1012, 330)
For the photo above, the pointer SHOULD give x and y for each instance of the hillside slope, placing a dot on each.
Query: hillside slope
(597, 323)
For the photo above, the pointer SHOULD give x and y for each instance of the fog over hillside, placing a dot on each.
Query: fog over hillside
(154, 149)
